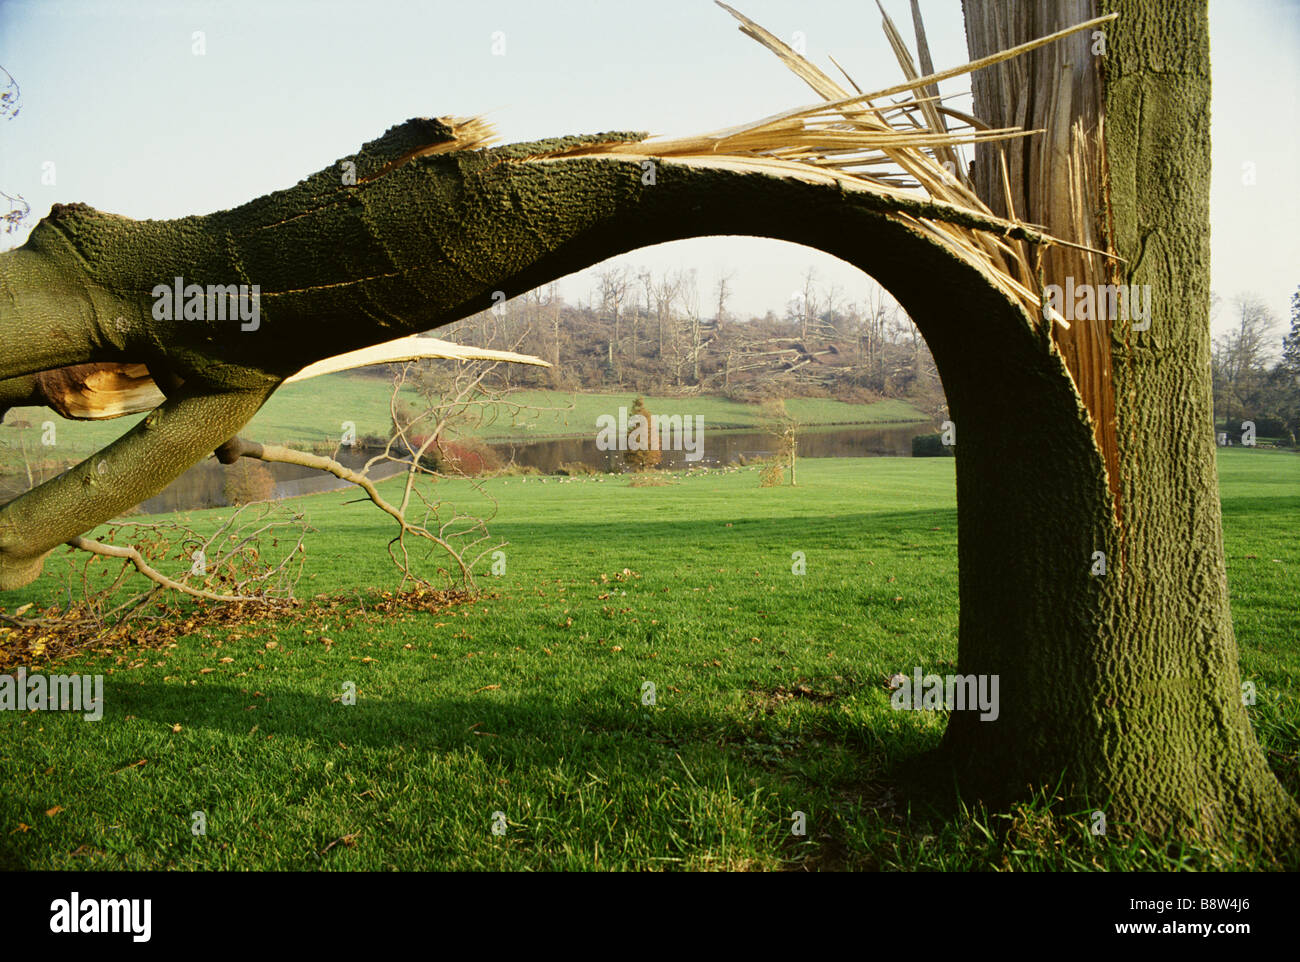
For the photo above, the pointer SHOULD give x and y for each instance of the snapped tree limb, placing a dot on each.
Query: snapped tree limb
(413, 232)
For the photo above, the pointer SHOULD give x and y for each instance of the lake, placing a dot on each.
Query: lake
(202, 486)
(722, 448)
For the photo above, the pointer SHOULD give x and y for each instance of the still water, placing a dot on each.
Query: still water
(721, 448)
(202, 486)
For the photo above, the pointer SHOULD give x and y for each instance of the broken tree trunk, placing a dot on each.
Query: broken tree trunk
(1054, 179)
(1140, 703)
(1120, 687)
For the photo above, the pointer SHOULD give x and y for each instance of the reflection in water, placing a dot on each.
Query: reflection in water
(720, 448)
(203, 485)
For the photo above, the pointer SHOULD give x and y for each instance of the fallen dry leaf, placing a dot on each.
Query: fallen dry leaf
(175, 728)
(348, 840)
(51, 812)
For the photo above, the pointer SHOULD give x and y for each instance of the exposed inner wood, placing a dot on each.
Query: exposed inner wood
(99, 391)
(1057, 178)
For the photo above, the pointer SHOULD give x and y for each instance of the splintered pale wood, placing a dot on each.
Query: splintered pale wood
(945, 155)
(949, 184)
(812, 140)
(1002, 56)
(1055, 180)
(98, 391)
(922, 45)
(414, 348)
(468, 133)
(885, 149)
(826, 87)
(101, 391)
(846, 74)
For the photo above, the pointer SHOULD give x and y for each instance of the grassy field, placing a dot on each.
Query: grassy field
(718, 413)
(770, 696)
(314, 411)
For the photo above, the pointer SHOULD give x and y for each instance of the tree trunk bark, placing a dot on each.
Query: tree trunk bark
(1127, 682)
(1053, 178)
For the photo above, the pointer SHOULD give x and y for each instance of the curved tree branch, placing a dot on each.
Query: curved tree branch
(131, 469)
(153, 574)
(432, 240)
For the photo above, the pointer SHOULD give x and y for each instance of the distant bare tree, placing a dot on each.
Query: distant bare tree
(1240, 356)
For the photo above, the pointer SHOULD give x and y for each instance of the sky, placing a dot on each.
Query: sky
(159, 109)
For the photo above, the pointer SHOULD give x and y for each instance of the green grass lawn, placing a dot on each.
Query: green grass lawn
(718, 413)
(770, 695)
(314, 411)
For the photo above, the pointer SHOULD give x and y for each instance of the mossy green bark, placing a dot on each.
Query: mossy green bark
(1183, 726)
(1126, 686)
(132, 469)
(344, 265)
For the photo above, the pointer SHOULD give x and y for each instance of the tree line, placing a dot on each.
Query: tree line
(666, 333)
(654, 333)
(1252, 380)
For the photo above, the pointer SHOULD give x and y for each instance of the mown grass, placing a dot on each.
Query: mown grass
(770, 696)
(718, 413)
(315, 411)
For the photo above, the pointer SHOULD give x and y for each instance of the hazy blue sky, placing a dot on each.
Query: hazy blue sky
(136, 123)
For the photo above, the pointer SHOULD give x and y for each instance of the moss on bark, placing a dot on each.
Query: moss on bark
(1129, 688)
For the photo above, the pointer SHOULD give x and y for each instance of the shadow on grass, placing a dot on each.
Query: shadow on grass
(876, 774)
